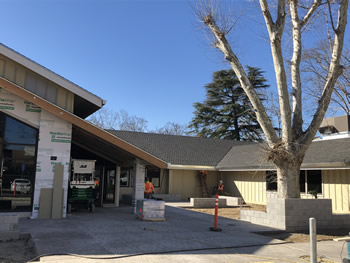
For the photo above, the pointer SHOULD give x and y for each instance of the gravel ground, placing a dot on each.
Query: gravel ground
(14, 251)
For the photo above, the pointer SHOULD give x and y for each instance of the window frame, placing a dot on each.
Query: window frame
(127, 170)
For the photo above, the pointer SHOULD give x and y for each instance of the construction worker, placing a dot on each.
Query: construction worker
(149, 189)
(221, 187)
(96, 189)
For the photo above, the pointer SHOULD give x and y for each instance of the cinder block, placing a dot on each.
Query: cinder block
(9, 219)
(8, 227)
(5, 236)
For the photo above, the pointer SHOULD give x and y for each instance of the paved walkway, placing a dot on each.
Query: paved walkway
(183, 237)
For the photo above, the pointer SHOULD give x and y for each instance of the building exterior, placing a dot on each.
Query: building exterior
(42, 125)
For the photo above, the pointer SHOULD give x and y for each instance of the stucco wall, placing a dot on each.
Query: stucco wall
(251, 186)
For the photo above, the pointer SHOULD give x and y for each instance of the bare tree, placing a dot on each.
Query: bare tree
(287, 152)
(173, 128)
(109, 119)
(316, 61)
(105, 118)
(132, 123)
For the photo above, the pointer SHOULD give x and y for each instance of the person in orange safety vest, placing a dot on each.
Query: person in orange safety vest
(149, 189)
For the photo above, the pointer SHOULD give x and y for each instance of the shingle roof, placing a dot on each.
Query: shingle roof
(180, 150)
(325, 153)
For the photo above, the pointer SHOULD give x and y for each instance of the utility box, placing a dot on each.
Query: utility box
(151, 210)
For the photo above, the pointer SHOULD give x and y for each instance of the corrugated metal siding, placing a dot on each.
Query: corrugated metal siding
(251, 186)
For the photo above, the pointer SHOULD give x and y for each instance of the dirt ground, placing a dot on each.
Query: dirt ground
(16, 251)
(234, 213)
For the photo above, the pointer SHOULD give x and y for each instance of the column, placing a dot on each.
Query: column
(139, 183)
(117, 186)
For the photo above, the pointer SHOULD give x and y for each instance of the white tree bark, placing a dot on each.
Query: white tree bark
(287, 152)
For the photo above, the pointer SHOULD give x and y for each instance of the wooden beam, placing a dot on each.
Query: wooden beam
(83, 124)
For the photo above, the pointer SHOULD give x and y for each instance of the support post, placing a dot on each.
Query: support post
(313, 245)
(139, 183)
(117, 186)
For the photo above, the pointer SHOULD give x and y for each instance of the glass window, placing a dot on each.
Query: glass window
(18, 132)
(302, 181)
(271, 180)
(154, 176)
(314, 181)
(17, 163)
(125, 177)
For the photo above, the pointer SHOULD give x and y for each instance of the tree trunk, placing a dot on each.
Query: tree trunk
(288, 175)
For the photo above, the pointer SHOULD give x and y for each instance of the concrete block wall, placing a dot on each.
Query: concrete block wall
(8, 227)
(293, 214)
(206, 202)
(150, 209)
(232, 201)
(298, 212)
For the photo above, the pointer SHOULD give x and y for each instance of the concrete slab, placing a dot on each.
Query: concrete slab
(183, 237)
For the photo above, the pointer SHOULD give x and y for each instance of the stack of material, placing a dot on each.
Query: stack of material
(151, 210)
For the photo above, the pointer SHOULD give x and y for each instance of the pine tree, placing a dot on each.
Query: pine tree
(227, 112)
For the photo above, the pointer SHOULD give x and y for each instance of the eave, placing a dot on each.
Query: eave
(81, 123)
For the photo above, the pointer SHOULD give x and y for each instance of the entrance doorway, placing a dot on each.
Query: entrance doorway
(106, 174)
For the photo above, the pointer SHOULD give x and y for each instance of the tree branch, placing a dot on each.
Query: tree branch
(312, 9)
(275, 33)
(223, 45)
(295, 71)
(335, 70)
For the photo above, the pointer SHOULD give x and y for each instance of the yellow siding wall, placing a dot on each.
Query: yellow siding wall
(2, 66)
(186, 183)
(336, 186)
(15, 73)
(10, 70)
(20, 76)
(251, 186)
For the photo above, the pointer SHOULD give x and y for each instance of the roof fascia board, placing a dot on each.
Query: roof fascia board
(59, 80)
(67, 116)
(191, 167)
(326, 165)
(307, 166)
(245, 169)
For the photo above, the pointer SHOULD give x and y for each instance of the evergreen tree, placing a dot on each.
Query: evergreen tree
(227, 112)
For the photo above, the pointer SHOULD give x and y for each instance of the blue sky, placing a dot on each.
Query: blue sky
(148, 57)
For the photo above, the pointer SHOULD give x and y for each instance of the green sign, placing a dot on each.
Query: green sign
(30, 107)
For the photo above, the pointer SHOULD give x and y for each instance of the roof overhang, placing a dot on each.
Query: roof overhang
(50, 75)
(191, 167)
(81, 123)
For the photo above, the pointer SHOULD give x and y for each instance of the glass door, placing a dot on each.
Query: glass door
(109, 186)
